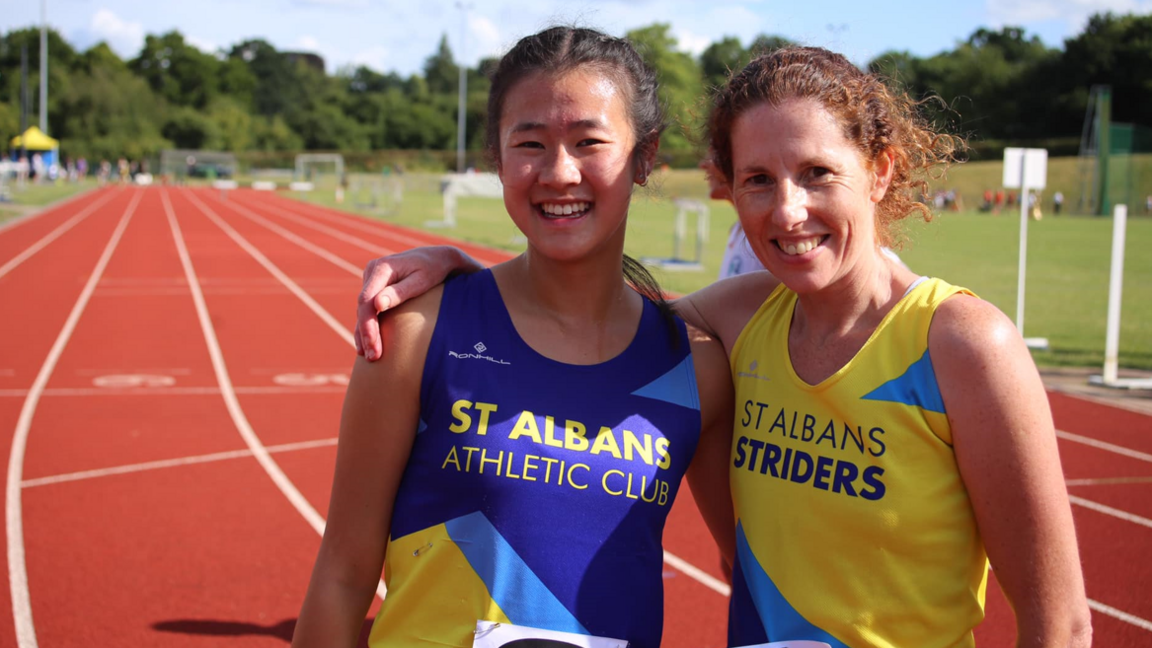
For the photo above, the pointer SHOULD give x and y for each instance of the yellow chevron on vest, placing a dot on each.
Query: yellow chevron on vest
(848, 491)
(444, 615)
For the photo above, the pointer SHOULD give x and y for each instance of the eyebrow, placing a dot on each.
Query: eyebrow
(752, 168)
(531, 126)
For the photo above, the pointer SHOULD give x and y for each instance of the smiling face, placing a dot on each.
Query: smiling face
(805, 194)
(566, 162)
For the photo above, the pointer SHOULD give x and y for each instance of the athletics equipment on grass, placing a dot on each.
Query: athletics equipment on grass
(684, 207)
(1110, 377)
(1026, 170)
(1109, 172)
(181, 164)
(311, 166)
(482, 185)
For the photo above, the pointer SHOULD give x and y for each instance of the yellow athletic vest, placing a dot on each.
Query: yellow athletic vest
(853, 525)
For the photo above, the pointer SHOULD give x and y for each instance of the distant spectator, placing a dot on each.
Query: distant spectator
(1057, 202)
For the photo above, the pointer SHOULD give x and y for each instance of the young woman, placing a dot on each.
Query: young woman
(892, 434)
(519, 445)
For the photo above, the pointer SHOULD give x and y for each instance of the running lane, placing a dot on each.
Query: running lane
(129, 552)
(40, 291)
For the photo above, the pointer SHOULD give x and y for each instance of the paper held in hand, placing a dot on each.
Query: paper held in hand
(506, 635)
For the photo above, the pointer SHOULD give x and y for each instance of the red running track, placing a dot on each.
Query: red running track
(172, 366)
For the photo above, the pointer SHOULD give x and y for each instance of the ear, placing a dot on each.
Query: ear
(883, 168)
(645, 161)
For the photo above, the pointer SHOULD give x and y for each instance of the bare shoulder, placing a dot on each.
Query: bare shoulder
(406, 332)
(725, 307)
(979, 357)
(966, 328)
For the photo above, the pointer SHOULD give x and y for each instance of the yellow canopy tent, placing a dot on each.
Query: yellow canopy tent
(34, 139)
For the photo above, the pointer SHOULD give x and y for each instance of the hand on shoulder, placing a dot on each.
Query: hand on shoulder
(725, 307)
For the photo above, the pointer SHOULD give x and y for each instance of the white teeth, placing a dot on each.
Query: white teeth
(564, 210)
(800, 247)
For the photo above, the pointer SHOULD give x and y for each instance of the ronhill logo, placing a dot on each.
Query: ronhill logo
(751, 373)
(479, 355)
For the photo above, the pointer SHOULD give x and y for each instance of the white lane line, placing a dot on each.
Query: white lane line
(233, 403)
(1108, 481)
(697, 574)
(1104, 445)
(59, 204)
(337, 234)
(17, 570)
(66, 392)
(172, 463)
(1108, 510)
(1119, 614)
(324, 315)
(311, 247)
(53, 235)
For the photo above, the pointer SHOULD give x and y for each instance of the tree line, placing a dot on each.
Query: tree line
(997, 85)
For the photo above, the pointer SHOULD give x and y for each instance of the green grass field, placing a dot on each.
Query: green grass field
(31, 196)
(1068, 262)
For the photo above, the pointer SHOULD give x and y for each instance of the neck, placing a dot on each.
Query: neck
(588, 291)
(856, 303)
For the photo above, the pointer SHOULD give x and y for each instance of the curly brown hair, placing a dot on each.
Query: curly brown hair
(874, 117)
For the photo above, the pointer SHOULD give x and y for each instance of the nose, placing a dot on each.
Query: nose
(560, 169)
(790, 206)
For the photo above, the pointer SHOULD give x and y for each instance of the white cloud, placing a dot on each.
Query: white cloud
(1074, 13)
(308, 44)
(484, 39)
(206, 46)
(338, 4)
(126, 38)
(375, 57)
(690, 42)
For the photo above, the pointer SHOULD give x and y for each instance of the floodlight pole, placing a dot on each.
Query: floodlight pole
(44, 66)
(460, 110)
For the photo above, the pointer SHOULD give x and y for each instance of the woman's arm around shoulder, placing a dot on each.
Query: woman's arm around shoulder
(1005, 445)
(724, 308)
(377, 429)
(708, 472)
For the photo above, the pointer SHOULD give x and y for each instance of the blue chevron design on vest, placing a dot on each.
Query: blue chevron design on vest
(916, 387)
(421, 426)
(781, 621)
(678, 386)
(512, 584)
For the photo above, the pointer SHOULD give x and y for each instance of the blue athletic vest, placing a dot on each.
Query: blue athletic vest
(536, 492)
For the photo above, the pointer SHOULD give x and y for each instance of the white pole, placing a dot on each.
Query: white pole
(44, 66)
(1023, 243)
(460, 125)
(1115, 290)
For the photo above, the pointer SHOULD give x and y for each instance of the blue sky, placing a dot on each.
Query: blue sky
(398, 35)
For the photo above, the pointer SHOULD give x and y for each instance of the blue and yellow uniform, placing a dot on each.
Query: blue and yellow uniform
(853, 525)
(536, 492)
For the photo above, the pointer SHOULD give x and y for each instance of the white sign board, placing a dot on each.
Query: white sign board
(1027, 165)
